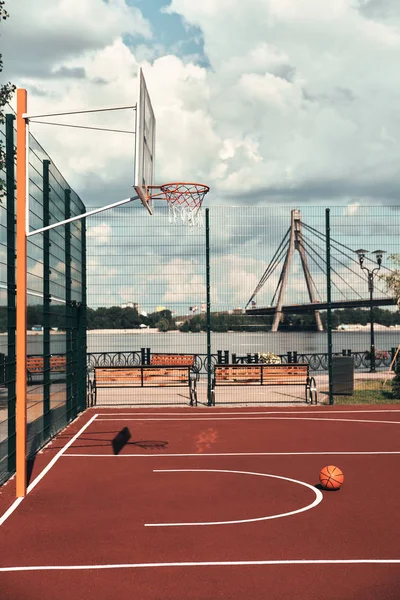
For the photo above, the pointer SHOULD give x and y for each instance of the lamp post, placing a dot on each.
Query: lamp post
(371, 273)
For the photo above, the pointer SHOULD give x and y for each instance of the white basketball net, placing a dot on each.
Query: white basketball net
(184, 202)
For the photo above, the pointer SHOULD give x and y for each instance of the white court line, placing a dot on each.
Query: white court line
(331, 452)
(318, 498)
(251, 412)
(216, 563)
(45, 470)
(261, 419)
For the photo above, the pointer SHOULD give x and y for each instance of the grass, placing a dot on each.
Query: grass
(369, 392)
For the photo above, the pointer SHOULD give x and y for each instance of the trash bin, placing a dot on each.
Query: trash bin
(343, 375)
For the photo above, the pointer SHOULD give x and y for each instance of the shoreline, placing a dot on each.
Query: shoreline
(366, 328)
(341, 329)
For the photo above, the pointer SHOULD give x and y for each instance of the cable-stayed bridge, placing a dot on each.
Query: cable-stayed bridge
(306, 241)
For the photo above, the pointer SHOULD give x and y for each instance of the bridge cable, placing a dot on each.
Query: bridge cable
(272, 265)
(332, 282)
(344, 246)
(282, 254)
(312, 258)
(358, 274)
(340, 277)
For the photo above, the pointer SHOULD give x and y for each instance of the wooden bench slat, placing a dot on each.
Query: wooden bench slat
(35, 365)
(172, 359)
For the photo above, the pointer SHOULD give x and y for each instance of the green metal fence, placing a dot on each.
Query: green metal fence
(255, 284)
(56, 298)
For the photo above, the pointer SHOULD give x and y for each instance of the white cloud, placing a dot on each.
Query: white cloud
(99, 234)
(54, 31)
(300, 99)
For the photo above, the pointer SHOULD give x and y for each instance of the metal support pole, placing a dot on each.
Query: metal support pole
(209, 365)
(10, 359)
(329, 301)
(82, 338)
(371, 312)
(21, 269)
(46, 303)
(68, 306)
(89, 213)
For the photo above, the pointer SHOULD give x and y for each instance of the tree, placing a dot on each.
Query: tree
(6, 91)
(393, 279)
(396, 382)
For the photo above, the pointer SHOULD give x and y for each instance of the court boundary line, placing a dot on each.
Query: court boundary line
(318, 498)
(46, 469)
(244, 411)
(183, 455)
(233, 563)
(274, 418)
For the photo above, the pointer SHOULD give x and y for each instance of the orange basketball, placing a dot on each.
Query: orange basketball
(331, 477)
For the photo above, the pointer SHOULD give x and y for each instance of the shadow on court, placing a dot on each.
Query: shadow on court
(322, 489)
(30, 463)
(122, 439)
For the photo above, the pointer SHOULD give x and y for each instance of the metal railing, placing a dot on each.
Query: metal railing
(316, 361)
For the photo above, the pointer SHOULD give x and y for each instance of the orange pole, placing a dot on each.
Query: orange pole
(21, 279)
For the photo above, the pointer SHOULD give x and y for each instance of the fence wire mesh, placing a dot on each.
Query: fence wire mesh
(146, 282)
(235, 306)
(268, 301)
(56, 304)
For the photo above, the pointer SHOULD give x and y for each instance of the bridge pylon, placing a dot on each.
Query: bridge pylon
(295, 243)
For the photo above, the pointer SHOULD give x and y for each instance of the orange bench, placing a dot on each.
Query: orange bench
(143, 376)
(35, 365)
(184, 360)
(265, 375)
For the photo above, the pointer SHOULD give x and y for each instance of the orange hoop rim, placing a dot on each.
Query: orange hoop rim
(175, 193)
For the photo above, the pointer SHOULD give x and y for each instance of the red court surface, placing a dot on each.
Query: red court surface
(209, 503)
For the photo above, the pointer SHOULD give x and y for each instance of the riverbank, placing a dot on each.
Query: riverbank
(377, 327)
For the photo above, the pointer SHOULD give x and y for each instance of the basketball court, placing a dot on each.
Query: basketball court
(179, 503)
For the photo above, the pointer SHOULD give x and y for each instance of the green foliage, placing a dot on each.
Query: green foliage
(6, 92)
(116, 317)
(396, 382)
(361, 316)
(393, 279)
(163, 325)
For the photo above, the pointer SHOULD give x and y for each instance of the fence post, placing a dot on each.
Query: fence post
(10, 359)
(69, 313)
(46, 303)
(329, 300)
(393, 353)
(82, 324)
(209, 366)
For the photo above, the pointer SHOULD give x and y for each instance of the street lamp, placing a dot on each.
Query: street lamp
(371, 273)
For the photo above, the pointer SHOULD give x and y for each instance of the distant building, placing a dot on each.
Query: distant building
(132, 305)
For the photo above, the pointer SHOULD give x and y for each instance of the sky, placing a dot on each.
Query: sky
(269, 102)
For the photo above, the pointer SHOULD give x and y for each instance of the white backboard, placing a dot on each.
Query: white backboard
(145, 144)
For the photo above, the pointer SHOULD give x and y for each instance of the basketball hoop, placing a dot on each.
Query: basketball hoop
(185, 200)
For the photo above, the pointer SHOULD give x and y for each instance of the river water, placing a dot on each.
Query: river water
(237, 342)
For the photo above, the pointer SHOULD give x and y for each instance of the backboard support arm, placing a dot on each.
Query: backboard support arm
(82, 216)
